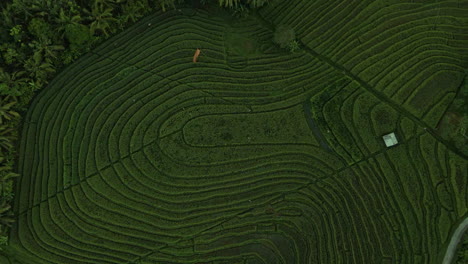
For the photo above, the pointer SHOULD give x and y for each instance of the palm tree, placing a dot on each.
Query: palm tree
(6, 173)
(132, 10)
(101, 19)
(38, 68)
(6, 112)
(5, 144)
(64, 19)
(7, 19)
(6, 217)
(11, 83)
(45, 47)
(22, 7)
(6, 141)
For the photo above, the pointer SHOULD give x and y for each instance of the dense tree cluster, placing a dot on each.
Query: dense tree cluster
(39, 37)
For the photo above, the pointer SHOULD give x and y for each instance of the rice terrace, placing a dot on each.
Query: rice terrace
(196, 134)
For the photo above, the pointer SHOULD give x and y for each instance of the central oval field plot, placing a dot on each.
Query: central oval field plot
(136, 153)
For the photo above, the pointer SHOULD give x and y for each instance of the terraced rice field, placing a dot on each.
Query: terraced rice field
(134, 154)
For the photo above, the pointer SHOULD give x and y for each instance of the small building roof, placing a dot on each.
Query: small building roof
(390, 139)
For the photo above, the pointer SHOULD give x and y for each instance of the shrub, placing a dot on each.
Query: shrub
(78, 34)
(285, 37)
(293, 46)
(3, 241)
(38, 27)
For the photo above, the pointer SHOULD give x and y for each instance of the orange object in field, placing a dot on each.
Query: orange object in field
(195, 56)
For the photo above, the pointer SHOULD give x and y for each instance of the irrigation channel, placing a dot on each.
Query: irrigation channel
(313, 126)
(455, 240)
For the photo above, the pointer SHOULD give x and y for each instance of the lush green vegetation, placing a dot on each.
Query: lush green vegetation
(462, 251)
(37, 39)
(286, 38)
(454, 124)
(134, 154)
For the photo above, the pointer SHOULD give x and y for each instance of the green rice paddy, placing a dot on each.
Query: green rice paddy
(134, 154)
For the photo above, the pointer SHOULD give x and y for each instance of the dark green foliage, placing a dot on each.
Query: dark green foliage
(78, 35)
(12, 84)
(17, 33)
(284, 35)
(453, 125)
(10, 55)
(124, 101)
(132, 10)
(37, 38)
(251, 3)
(293, 46)
(39, 28)
(136, 155)
(462, 251)
(102, 20)
(240, 11)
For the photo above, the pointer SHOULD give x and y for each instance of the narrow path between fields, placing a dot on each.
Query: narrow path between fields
(381, 96)
(454, 241)
(313, 126)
